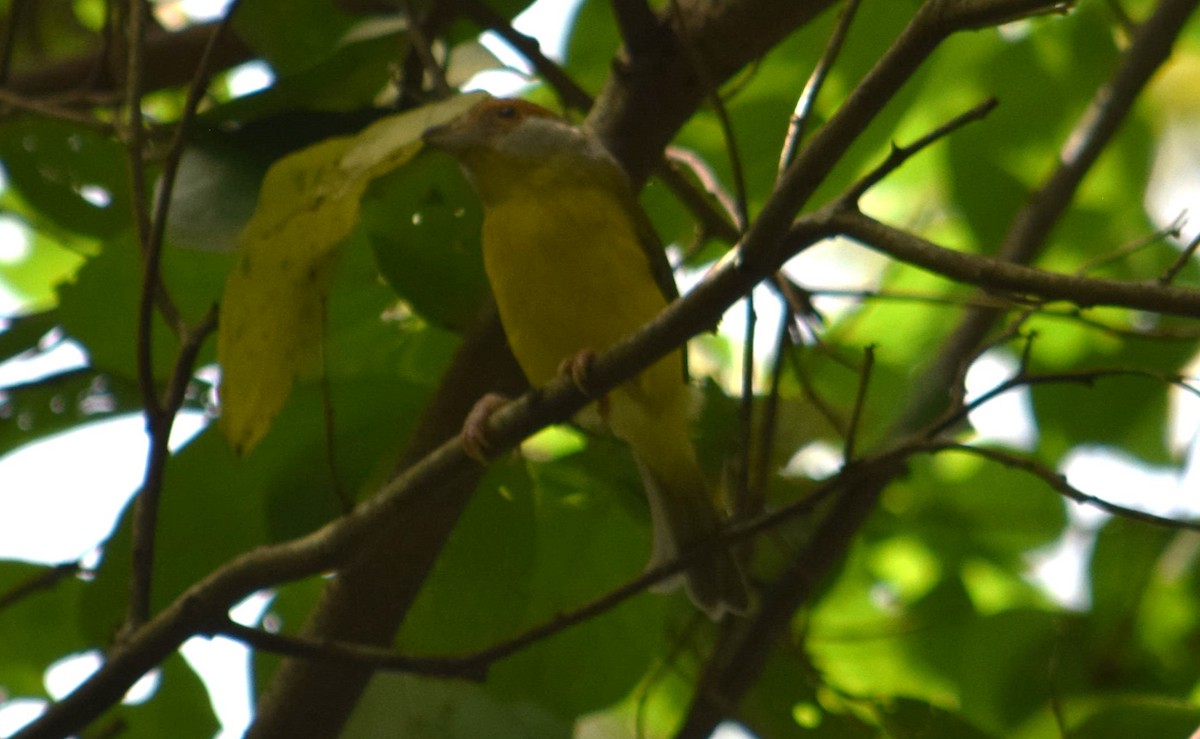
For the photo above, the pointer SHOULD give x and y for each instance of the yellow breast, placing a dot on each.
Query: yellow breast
(569, 274)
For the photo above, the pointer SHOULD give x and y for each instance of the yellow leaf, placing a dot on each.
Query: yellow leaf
(273, 309)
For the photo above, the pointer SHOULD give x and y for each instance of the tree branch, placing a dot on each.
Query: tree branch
(996, 275)
(1023, 378)
(38, 582)
(1058, 483)
(798, 125)
(170, 60)
(571, 94)
(159, 412)
(1031, 226)
(204, 605)
(641, 29)
(1151, 46)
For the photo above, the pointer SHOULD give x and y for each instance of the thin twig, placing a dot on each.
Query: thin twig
(146, 507)
(718, 225)
(742, 213)
(279, 563)
(1134, 246)
(742, 482)
(8, 42)
(474, 665)
(1108, 109)
(805, 105)
(1122, 18)
(1074, 377)
(569, 92)
(38, 582)
(768, 426)
(809, 390)
(726, 124)
(1001, 276)
(463, 668)
(56, 112)
(1030, 227)
(191, 342)
(1058, 482)
(1181, 261)
(159, 413)
(901, 154)
(860, 402)
(420, 44)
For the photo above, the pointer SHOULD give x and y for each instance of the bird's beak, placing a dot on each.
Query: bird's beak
(453, 137)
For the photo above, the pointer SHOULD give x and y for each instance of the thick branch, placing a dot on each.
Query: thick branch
(645, 103)
(170, 60)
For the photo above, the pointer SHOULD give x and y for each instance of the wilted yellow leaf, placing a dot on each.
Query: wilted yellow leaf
(273, 308)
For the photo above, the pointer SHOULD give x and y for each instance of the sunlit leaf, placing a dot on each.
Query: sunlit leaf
(273, 310)
(37, 626)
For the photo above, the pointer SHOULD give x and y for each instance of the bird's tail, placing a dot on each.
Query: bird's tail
(684, 517)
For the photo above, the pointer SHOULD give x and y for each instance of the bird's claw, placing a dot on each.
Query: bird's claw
(474, 438)
(578, 367)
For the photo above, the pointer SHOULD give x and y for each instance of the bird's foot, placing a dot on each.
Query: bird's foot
(579, 367)
(474, 438)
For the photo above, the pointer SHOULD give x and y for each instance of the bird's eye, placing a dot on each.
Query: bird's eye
(506, 111)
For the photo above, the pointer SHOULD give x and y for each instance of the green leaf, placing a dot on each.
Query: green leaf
(70, 174)
(179, 708)
(112, 279)
(787, 701)
(1122, 569)
(62, 402)
(274, 301)
(479, 590)
(403, 705)
(1123, 411)
(315, 28)
(423, 224)
(24, 333)
(591, 44)
(1139, 716)
(588, 543)
(223, 166)
(46, 263)
(965, 506)
(208, 513)
(906, 719)
(942, 652)
(38, 629)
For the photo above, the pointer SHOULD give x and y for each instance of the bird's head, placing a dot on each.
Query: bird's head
(500, 142)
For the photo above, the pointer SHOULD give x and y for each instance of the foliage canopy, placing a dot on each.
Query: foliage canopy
(416, 594)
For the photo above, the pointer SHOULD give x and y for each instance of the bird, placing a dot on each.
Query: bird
(566, 252)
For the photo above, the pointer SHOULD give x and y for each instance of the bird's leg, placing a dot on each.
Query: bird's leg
(474, 437)
(578, 367)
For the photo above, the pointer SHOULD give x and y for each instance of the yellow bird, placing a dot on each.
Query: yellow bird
(565, 250)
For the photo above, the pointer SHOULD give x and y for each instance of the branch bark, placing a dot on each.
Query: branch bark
(169, 60)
